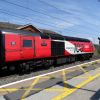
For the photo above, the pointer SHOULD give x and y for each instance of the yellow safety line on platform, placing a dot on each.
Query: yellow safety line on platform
(65, 94)
(85, 71)
(96, 67)
(29, 89)
(64, 78)
(35, 89)
(81, 77)
(8, 89)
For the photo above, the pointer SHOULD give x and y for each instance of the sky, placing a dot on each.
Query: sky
(77, 18)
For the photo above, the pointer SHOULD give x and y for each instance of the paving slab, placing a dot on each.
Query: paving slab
(53, 83)
(89, 92)
(2, 98)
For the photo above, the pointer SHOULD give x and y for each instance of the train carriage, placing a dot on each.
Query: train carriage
(21, 46)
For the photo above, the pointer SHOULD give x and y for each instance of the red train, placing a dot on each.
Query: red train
(24, 48)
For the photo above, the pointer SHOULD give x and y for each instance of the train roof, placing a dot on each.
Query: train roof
(17, 31)
(45, 35)
(26, 32)
(23, 32)
(68, 38)
(55, 35)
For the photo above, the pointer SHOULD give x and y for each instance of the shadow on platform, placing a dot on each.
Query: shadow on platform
(96, 96)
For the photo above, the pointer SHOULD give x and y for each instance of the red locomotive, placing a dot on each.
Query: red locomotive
(23, 48)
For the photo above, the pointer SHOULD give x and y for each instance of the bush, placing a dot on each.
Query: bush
(98, 50)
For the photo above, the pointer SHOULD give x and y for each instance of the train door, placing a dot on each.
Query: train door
(27, 47)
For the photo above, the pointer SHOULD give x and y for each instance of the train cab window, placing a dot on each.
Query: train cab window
(44, 36)
(27, 43)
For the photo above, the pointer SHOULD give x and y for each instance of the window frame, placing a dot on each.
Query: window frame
(27, 45)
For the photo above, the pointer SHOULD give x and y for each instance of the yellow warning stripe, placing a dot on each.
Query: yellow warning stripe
(29, 89)
(65, 94)
(85, 71)
(35, 89)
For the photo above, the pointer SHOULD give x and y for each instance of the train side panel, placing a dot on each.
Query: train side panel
(42, 47)
(24, 47)
(12, 47)
(27, 47)
(18, 47)
(74, 47)
(89, 47)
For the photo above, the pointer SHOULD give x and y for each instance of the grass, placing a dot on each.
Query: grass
(97, 52)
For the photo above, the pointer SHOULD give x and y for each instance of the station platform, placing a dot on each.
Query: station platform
(91, 91)
(85, 86)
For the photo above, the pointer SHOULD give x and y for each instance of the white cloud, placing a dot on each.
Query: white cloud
(64, 25)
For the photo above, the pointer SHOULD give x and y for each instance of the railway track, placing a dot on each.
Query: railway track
(13, 77)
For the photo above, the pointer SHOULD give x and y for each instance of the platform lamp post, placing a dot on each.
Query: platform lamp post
(99, 40)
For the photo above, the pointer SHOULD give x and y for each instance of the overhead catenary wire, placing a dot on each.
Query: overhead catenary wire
(66, 12)
(33, 10)
(24, 18)
(39, 12)
(28, 19)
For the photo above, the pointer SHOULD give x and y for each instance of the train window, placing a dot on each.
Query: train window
(55, 36)
(44, 36)
(27, 43)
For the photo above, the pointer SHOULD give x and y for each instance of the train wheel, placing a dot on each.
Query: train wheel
(23, 68)
(72, 58)
(20, 69)
(11, 68)
(27, 68)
